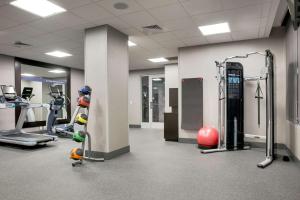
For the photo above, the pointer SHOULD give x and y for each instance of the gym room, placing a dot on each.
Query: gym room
(149, 99)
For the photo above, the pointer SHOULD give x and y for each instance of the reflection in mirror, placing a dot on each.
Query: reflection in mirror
(36, 85)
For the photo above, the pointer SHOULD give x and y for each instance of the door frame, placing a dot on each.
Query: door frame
(151, 124)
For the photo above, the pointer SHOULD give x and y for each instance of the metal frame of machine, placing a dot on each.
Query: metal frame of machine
(18, 136)
(222, 85)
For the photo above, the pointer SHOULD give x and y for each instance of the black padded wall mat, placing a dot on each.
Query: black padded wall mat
(173, 97)
(192, 103)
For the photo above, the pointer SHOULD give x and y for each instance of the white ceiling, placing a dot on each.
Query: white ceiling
(248, 19)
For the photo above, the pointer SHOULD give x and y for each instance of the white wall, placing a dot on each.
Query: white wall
(7, 77)
(77, 82)
(292, 136)
(171, 81)
(199, 61)
(135, 95)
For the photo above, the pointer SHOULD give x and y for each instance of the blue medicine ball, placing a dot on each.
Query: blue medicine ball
(86, 90)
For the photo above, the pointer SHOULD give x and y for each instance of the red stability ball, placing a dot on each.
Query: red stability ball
(208, 137)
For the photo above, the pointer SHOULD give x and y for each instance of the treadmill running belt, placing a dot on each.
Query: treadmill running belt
(25, 138)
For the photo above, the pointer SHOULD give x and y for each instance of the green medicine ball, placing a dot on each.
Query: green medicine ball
(79, 136)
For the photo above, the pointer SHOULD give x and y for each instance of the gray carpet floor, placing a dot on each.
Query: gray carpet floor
(154, 169)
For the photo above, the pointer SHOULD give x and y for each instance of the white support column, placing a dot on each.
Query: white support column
(106, 72)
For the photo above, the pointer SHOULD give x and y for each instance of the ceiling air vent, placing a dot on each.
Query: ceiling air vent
(175, 58)
(152, 29)
(172, 60)
(21, 44)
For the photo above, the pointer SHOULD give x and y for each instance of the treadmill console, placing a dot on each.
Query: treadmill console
(27, 92)
(54, 92)
(9, 92)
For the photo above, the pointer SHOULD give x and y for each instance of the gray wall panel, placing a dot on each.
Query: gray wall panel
(192, 104)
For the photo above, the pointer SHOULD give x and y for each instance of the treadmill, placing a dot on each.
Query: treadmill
(17, 136)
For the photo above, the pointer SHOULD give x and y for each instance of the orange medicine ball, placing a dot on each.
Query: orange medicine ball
(76, 154)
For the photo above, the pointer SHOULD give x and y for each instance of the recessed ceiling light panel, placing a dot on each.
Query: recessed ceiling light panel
(215, 29)
(131, 44)
(157, 60)
(42, 8)
(57, 71)
(59, 54)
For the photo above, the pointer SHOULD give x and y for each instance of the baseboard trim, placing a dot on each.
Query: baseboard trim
(263, 145)
(187, 140)
(135, 126)
(292, 156)
(278, 146)
(110, 155)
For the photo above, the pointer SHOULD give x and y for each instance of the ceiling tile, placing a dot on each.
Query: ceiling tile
(26, 30)
(68, 19)
(82, 27)
(71, 4)
(226, 37)
(11, 49)
(6, 23)
(155, 3)
(139, 19)
(91, 12)
(4, 2)
(170, 12)
(145, 42)
(132, 32)
(242, 15)
(244, 35)
(163, 36)
(172, 43)
(266, 7)
(46, 39)
(230, 4)
(194, 7)
(114, 22)
(199, 40)
(183, 23)
(66, 45)
(163, 52)
(109, 5)
(69, 33)
(187, 33)
(262, 27)
(47, 24)
(16, 14)
(238, 25)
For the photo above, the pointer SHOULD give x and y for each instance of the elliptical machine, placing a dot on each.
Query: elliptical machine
(56, 105)
(27, 95)
(83, 102)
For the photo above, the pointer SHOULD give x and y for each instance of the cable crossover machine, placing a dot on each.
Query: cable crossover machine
(231, 105)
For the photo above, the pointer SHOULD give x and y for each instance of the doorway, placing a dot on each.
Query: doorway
(153, 101)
